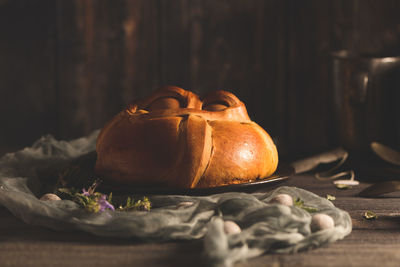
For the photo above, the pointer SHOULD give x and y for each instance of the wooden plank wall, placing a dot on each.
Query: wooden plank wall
(28, 95)
(66, 67)
(107, 55)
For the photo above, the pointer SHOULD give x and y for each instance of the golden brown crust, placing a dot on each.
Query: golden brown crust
(240, 154)
(202, 143)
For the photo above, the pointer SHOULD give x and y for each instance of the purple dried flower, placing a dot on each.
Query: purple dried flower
(94, 201)
(85, 193)
(104, 204)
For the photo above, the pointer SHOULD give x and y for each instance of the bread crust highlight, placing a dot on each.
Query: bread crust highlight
(200, 144)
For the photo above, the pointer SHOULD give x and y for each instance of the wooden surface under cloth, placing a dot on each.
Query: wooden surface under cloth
(371, 243)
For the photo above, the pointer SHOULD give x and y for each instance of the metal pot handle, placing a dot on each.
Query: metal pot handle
(362, 82)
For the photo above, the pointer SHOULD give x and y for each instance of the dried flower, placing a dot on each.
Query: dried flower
(369, 215)
(85, 193)
(104, 204)
(300, 203)
(140, 205)
(94, 202)
(90, 200)
(330, 197)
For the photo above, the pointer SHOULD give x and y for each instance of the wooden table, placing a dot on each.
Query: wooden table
(371, 243)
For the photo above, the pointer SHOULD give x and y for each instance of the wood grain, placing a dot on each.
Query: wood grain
(28, 103)
(376, 28)
(107, 55)
(308, 89)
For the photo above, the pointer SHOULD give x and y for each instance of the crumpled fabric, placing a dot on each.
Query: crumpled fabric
(266, 228)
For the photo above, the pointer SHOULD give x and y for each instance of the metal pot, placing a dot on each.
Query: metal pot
(366, 100)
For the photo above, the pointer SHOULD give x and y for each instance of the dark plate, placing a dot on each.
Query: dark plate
(283, 172)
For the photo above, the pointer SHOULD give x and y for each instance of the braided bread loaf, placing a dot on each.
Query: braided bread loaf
(175, 139)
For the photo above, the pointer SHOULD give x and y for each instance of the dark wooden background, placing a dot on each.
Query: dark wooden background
(66, 67)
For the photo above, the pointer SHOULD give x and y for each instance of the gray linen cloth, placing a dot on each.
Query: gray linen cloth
(266, 228)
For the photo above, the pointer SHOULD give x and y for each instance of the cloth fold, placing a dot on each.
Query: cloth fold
(266, 227)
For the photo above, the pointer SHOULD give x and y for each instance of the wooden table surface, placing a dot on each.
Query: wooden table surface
(371, 243)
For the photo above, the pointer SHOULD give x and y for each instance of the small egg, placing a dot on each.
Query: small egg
(50, 197)
(231, 227)
(321, 221)
(283, 199)
(184, 204)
